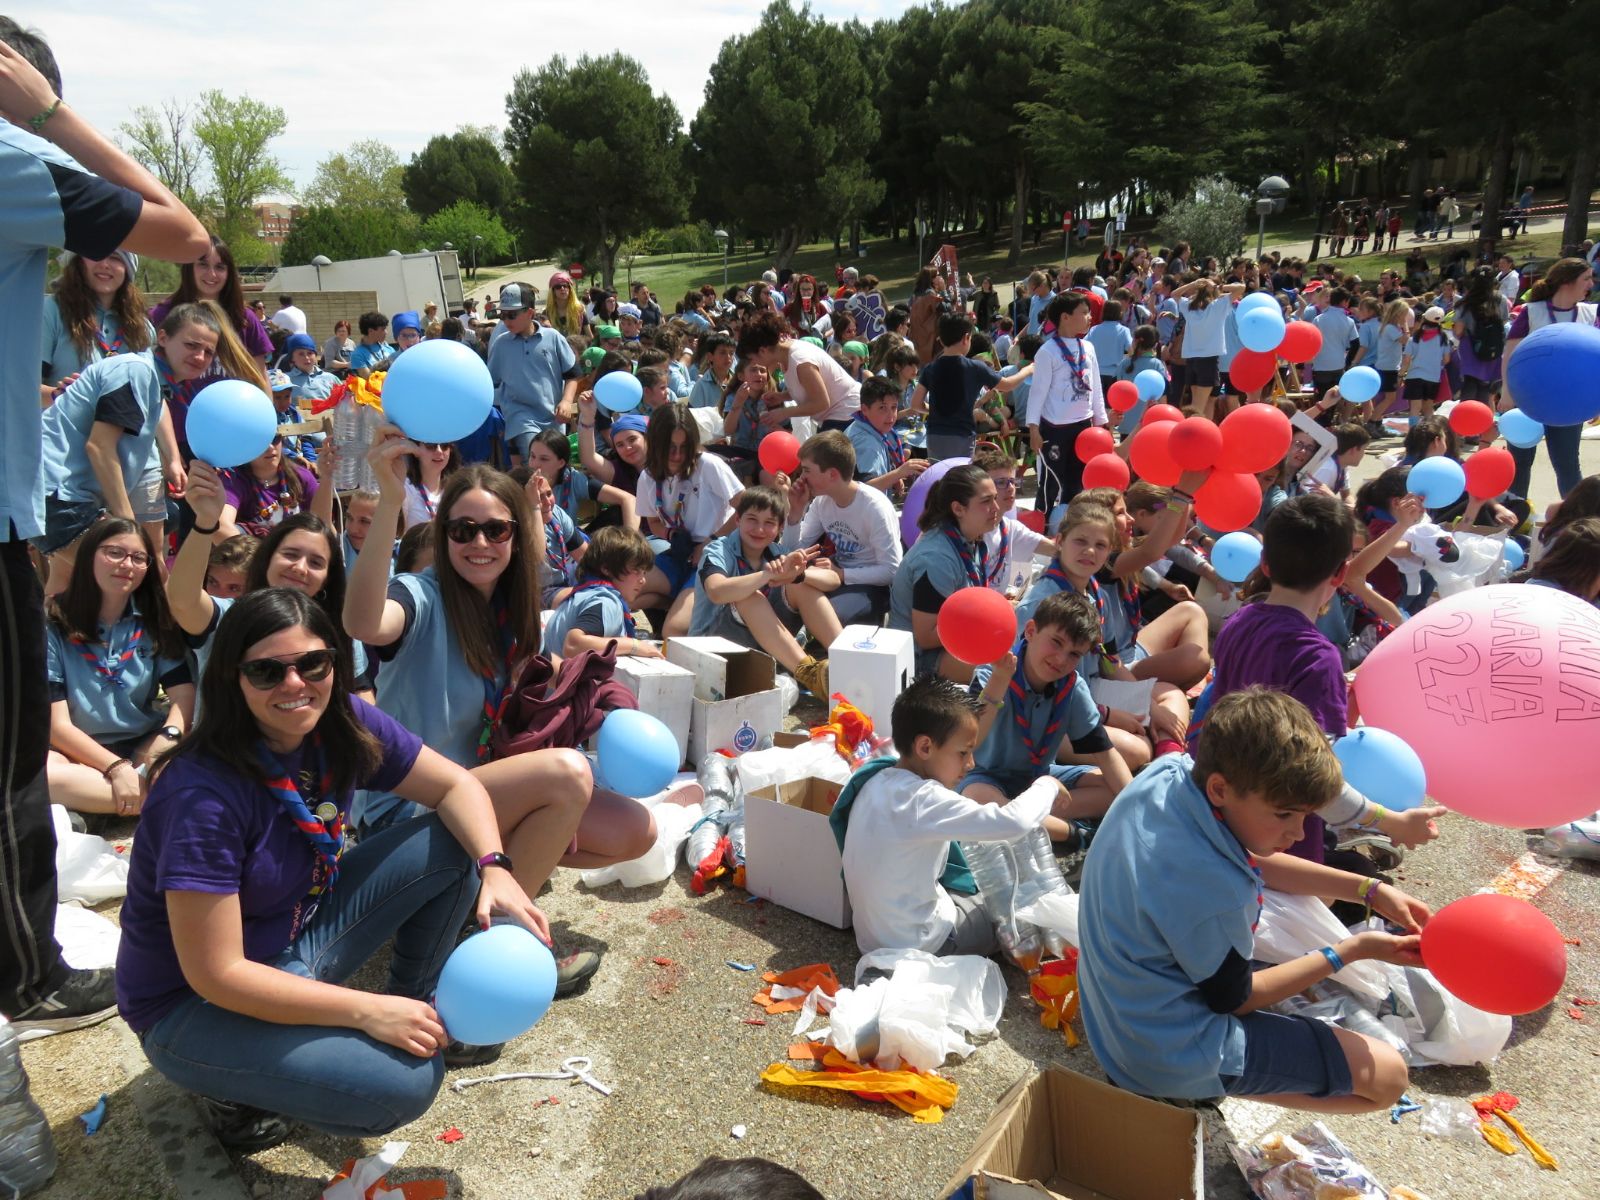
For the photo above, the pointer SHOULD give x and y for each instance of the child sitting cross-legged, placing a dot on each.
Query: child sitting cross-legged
(1170, 1003)
(599, 609)
(895, 822)
(1034, 701)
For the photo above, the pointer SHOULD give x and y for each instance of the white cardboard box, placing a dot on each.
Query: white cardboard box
(664, 690)
(735, 702)
(790, 854)
(869, 666)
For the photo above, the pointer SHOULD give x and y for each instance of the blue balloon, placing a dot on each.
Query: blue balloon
(1439, 481)
(1360, 384)
(1235, 555)
(231, 422)
(1261, 329)
(1554, 374)
(1150, 384)
(1258, 300)
(637, 753)
(1516, 426)
(618, 392)
(495, 985)
(438, 391)
(1382, 768)
(1515, 555)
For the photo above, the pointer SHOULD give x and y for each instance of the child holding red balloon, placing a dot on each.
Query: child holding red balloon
(1170, 1003)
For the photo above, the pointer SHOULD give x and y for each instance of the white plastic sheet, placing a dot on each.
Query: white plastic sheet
(1055, 912)
(779, 765)
(673, 822)
(87, 939)
(88, 870)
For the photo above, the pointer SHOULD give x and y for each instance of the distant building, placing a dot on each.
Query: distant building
(273, 220)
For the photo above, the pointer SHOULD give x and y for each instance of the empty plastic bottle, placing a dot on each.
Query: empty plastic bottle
(346, 437)
(716, 775)
(27, 1151)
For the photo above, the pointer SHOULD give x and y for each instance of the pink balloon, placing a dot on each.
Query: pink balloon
(917, 497)
(1497, 690)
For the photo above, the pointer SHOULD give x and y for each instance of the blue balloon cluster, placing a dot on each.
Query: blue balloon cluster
(1438, 480)
(495, 985)
(638, 755)
(1235, 555)
(230, 423)
(1382, 768)
(1258, 300)
(1262, 328)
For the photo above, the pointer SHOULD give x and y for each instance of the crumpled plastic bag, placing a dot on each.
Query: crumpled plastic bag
(1575, 839)
(1294, 925)
(1449, 1117)
(673, 822)
(1054, 912)
(768, 768)
(88, 940)
(1311, 1162)
(924, 1096)
(88, 870)
(1439, 1028)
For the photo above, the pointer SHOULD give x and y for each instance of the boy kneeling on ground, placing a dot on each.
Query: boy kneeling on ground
(1172, 894)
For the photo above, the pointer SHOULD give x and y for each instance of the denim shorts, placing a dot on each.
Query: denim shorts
(65, 521)
(1289, 1055)
(1014, 783)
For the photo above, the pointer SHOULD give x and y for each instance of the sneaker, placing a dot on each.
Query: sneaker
(575, 970)
(813, 676)
(459, 1054)
(85, 997)
(241, 1128)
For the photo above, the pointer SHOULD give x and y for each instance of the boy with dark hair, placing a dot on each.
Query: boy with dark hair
(1338, 331)
(856, 529)
(373, 350)
(1350, 447)
(896, 823)
(600, 608)
(949, 387)
(1170, 1003)
(883, 459)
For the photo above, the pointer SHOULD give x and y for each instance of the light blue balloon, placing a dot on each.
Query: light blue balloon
(1258, 300)
(1360, 384)
(1261, 329)
(637, 753)
(1382, 768)
(438, 391)
(1439, 481)
(1235, 555)
(1516, 426)
(1515, 555)
(1150, 384)
(618, 392)
(230, 423)
(495, 985)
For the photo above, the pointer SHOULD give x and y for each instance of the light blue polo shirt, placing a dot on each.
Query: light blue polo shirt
(1427, 358)
(561, 541)
(529, 373)
(1202, 327)
(720, 557)
(1167, 892)
(1111, 341)
(598, 611)
(872, 451)
(311, 385)
(1338, 331)
(1391, 344)
(46, 199)
(365, 357)
(1367, 338)
(932, 564)
(1003, 752)
(106, 712)
(747, 433)
(707, 393)
(124, 391)
(60, 355)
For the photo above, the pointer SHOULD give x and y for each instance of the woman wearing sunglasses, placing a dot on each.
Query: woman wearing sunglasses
(564, 312)
(244, 916)
(452, 639)
(111, 648)
(425, 476)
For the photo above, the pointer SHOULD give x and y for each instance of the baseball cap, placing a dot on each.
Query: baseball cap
(607, 331)
(278, 381)
(630, 310)
(299, 341)
(592, 357)
(405, 320)
(1434, 314)
(770, 276)
(1158, 262)
(514, 298)
(631, 423)
(859, 349)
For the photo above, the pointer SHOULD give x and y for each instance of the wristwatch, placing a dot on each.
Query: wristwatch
(171, 732)
(497, 859)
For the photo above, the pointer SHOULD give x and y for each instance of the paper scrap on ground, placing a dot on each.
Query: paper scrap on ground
(786, 992)
(95, 1117)
(924, 1096)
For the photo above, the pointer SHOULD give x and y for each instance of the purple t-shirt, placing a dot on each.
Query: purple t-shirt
(257, 342)
(1274, 646)
(261, 507)
(207, 829)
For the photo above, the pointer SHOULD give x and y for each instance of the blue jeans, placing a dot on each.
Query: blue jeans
(1561, 443)
(412, 882)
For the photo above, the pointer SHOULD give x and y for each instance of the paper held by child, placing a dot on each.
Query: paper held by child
(1132, 696)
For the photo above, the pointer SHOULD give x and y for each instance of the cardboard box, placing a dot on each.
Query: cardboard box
(736, 703)
(664, 690)
(791, 856)
(869, 666)
(1061, 1134)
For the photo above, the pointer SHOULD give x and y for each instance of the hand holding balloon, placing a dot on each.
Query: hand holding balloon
(405, 1024)
(205, 494)
(500, 895)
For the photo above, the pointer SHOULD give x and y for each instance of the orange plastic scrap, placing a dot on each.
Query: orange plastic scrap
(849, 726)
(1055, 989)
(922, 1095)
(813, 975)
(1500, 1105)
(1540, 1155)
(1498, 1138)
(413, 1189)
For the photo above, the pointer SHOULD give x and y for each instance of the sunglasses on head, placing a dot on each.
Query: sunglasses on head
(264, 674)
(464, 530)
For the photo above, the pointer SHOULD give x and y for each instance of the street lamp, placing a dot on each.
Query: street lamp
(1269, 199)
(722, 237)
(320, 261)
(476, 238)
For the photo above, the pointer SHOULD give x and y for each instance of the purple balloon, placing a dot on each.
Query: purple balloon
(918, 496)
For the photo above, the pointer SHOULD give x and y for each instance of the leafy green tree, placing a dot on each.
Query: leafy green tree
(1213, 219)
(162, 140)
(342, 233)
(365, 176)
(597, 154)
(465, 165)
(782, 138)
(477, 234)
(236, 136)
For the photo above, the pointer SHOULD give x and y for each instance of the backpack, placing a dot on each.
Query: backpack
(1488, 339)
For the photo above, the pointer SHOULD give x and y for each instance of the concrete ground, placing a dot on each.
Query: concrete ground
(665, 1023)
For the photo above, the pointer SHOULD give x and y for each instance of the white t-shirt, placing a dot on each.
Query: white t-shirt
(420, 504)
(865, 535)
(701, 504)
(1015, 557)
(844, 393)
(290, 319)
(1203, 327)
(1511, 286)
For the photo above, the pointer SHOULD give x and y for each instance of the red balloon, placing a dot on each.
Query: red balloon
(1122, 395)
(1157, 413)
(977, 625)
(1093, 442)
(1251, 371)
(1032, 518)
(1227, 502)
(1490, 472)
(1195, 443)
(1301, 341)
(1106, 470)
(779, 452)
(1498, 953)
(1254, 437)
(1470, 418)
(1151, 457)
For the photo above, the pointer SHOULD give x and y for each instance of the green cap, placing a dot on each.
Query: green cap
(859, 349)
(607, 331)
(592, 357)
(815, 341)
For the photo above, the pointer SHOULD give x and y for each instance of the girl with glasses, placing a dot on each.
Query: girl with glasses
(245, 916)
(564, 311)
(111, 649)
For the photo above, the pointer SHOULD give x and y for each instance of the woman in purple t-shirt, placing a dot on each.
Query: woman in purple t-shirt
(213, 276)
(244, 918)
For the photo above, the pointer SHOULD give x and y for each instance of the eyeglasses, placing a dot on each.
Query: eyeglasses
(1009, 484)
(464, 530)
(116, 554)
(264, 674)
(560, 287)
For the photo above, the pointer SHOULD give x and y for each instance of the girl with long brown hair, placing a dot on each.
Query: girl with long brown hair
(214, 276)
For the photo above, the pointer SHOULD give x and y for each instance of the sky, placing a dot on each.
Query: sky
(400, 71)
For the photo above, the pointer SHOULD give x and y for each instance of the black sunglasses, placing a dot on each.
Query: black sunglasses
(464, 530)
(264, 674)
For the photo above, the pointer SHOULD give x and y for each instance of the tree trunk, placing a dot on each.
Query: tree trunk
(1579, 187)
(788, 244)
(1417, 176)
(1494, 189)
(1019, 211)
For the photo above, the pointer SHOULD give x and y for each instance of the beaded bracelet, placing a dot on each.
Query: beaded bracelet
(36, 123)
(121, 762)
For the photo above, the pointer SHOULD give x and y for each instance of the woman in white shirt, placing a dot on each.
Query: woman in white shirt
(1064, 400)
(819, 386)
(1204, 308)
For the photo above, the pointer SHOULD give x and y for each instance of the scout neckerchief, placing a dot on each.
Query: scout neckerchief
(1018, 698)
(893, 445)
(976, 568)
(556, 554)
(114, 664)
(1095, 592)
(566, 495)
(1255, 869)
(324, 829)
(112, 348)
(674, 519)
(428, 505)
(603, 585)
(742, 564)
(179, 394)
(494, 692)
(1001, 558)
(1079, 365)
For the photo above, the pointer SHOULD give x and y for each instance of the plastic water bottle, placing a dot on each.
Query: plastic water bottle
(994, 869)
(27, 1151)
(346, 437)
(716, 774)
(736, 829)
(1038, 872)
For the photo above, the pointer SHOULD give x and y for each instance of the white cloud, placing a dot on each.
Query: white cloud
(400, 71)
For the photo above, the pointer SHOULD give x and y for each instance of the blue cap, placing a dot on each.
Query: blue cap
(631, 423)
(405, 320)
(299, 341)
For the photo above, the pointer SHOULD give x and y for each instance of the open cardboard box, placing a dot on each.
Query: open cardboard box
(1063, 1135)
(736, 698)
(790, 854)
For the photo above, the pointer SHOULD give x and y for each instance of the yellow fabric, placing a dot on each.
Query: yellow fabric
(1498, 1138)
(925, 1097)
(367, 391)
(1540, 1155)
